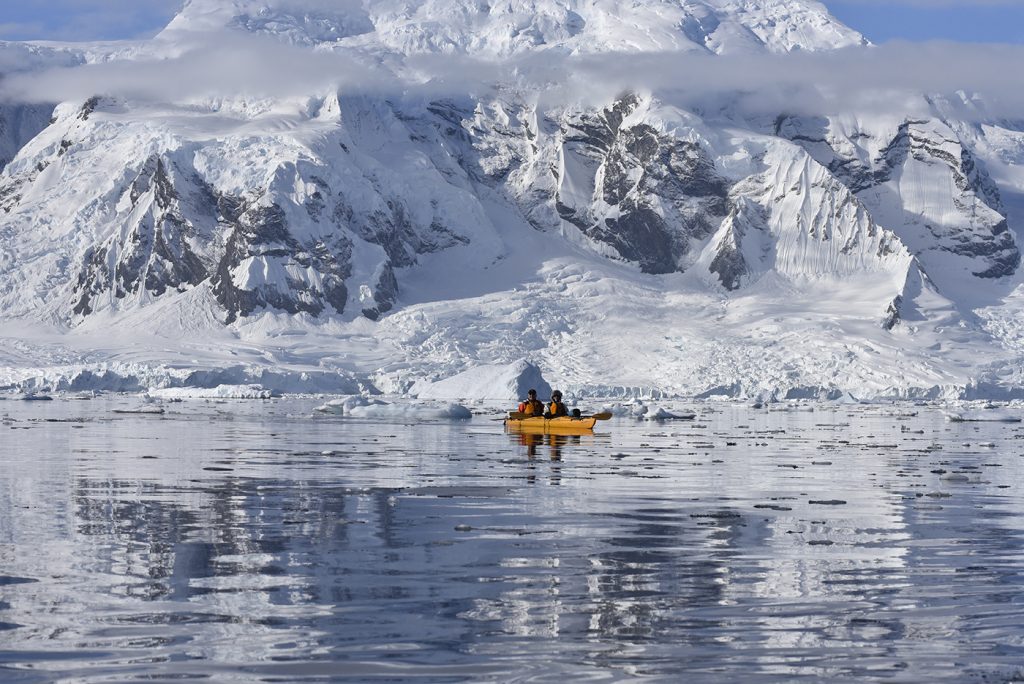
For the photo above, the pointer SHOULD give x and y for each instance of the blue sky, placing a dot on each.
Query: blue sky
(976, 21)
(879, 20)
(83, 19)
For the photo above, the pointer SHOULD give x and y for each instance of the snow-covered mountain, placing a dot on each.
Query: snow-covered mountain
(479, 27)
(462, 199)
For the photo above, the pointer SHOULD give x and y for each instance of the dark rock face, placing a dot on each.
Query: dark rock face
(983, 235)
(747, 221)
(999, 252)
(640, 235)
(170, 241)
(892, 313)
(385, 292)
(395, 232)
(902, 308)
(665, 192)
(157, 253)
(89, 108)
(265, 266)
(728, 264)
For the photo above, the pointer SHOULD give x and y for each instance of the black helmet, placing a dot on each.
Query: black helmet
(556, 394)
(532, 393)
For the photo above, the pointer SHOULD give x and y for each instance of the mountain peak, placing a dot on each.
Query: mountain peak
(510, 27)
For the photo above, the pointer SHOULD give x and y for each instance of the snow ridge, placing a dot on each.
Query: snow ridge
(516, 26)
(428, 243)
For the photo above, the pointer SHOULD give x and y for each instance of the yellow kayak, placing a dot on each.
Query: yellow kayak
(565, 425)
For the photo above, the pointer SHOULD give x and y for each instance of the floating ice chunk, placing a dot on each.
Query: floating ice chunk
(145, 409)
(218, 392)
(637, 409)
(32, 396)
(641, 411)
(982, 416)
(618, 409)
(659, 413)
(345, 405)
(335, 407)
(416, 410)
(362, 407)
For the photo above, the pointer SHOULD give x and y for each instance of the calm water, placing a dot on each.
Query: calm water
(253, 541)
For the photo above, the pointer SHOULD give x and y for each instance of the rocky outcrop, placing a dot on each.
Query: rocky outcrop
(380, 298)
(896, 178)
(654, 197)
(265, 266)
(160, 249)
(743, 238)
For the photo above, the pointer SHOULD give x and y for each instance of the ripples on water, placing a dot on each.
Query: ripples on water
(253, 541)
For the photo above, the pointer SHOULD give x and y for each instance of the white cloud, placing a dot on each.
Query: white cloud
(889, 77)
(231, 64)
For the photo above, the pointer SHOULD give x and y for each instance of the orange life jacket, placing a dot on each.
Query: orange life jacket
(531, 407)
(557, 409)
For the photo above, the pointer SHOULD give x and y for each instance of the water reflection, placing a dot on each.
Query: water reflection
(276, 547)
(552, 447)
(554, 443)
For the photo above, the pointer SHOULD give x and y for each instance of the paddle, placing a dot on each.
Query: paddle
(516, 415)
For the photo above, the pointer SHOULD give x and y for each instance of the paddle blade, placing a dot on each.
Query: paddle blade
(515, 415)
(602, 416)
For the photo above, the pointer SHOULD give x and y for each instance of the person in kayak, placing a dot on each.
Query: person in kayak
(532, 406)
(556, 409)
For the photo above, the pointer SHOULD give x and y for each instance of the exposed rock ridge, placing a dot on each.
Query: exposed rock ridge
(971, 224)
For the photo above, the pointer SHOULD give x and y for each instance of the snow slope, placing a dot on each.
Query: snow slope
(516, 26)
(443, 213)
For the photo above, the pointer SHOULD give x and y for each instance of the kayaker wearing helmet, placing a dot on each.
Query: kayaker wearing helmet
(556, 409)
(532, 406)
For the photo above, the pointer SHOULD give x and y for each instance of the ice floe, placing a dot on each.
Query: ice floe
(659, 413)
(640, 410)
(218, 392)
(982, 416)
(365, 407)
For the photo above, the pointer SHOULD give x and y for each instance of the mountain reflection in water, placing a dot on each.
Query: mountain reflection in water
(259, 542)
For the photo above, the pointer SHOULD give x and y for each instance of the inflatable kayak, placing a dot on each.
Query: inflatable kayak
(543, 425)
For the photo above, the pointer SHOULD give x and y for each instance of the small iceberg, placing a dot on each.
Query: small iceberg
(618, 410)
(659, 413)
(150, 410)
(345, 405)
(982, 416)
(33, 396)
(218, 392)
(638, 410)
(363, 407)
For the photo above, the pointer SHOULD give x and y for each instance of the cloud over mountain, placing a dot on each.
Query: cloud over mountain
(886, 78)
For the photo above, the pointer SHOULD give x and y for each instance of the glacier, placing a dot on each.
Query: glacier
(414, 198)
